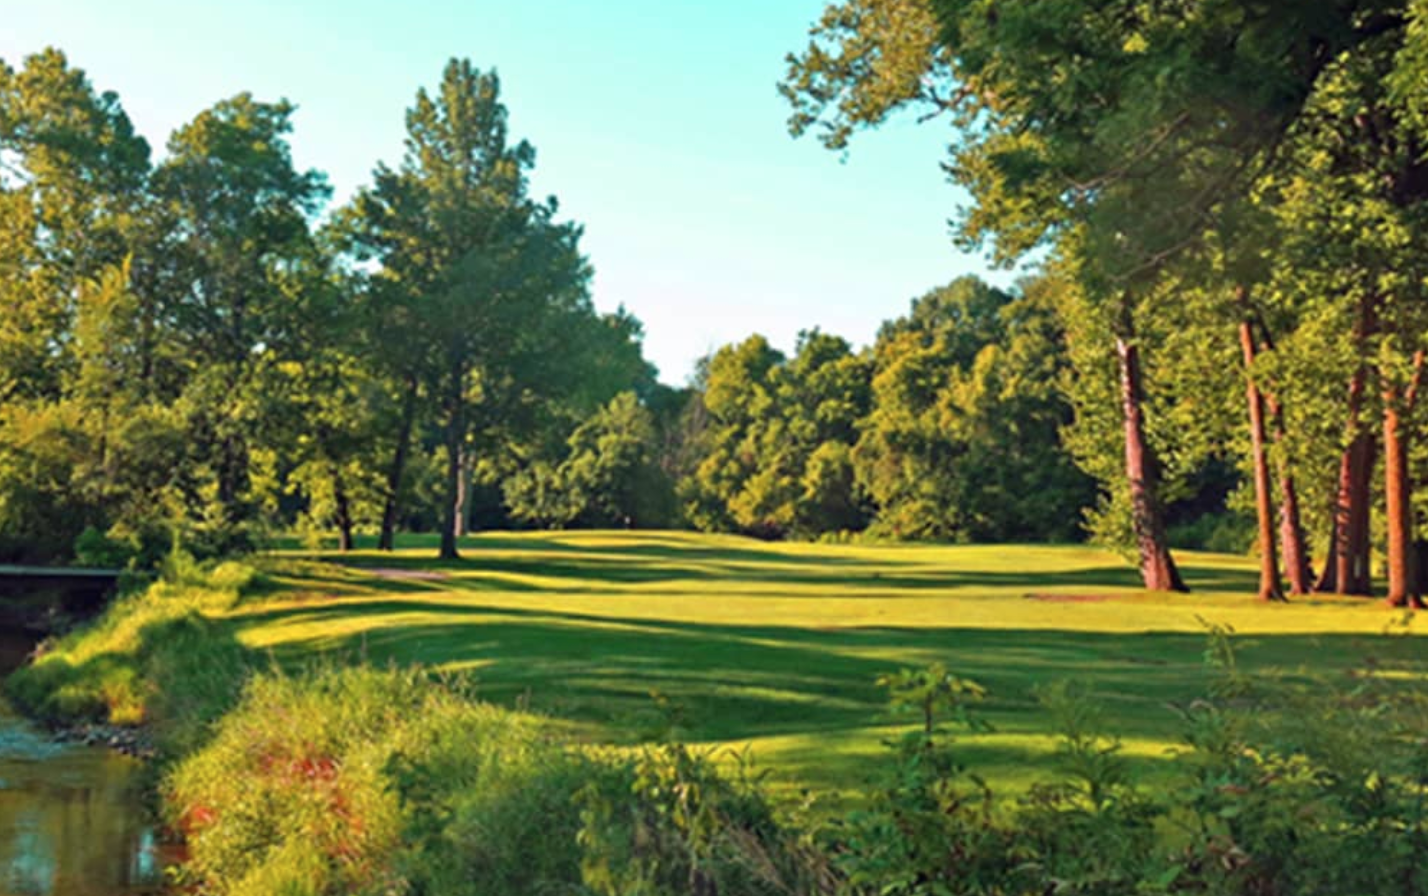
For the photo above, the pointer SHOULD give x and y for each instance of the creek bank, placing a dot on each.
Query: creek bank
(126, 741)
(72, 814)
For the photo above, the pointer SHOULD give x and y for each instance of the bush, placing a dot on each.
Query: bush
(668, 823)
(1308, 788)
(362, 781)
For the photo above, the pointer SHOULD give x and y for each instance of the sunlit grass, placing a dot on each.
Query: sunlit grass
(775, 647)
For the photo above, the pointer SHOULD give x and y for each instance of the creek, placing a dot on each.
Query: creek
(72, 818)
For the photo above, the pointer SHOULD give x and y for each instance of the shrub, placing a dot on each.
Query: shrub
(363, 781)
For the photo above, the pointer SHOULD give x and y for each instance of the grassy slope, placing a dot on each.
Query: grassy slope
(777, 646)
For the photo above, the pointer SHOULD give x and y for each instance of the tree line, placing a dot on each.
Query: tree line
(1237, 195)
(197, 351)
(192, 351)
(1227, 319)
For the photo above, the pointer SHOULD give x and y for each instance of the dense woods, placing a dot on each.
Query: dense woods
(200, 352)
(1227, 186)
(1221, 346)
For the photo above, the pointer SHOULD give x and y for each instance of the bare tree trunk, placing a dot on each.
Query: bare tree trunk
(1297, 565)
(1157, 567)
(1347, 569)
(1291, 535)
(455, 435)
(1360, 572)
(1398, 488)
(1270, 588)
(342, 511)
(386, 541)
(463, 489)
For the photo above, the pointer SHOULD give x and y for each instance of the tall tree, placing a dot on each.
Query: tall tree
(236, 213)
(478, 273)
(962, 442)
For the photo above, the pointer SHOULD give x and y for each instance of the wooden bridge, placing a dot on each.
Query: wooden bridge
(36, 596)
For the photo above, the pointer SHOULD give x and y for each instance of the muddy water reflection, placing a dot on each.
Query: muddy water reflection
(71, 822)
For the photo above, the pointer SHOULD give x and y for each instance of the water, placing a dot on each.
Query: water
(71, 820)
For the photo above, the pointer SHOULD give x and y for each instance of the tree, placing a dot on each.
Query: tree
(1353, 207)
(81, 442)
(608, 479)
(774, 457)
(236, 213)
(962, 441)
(479, 274)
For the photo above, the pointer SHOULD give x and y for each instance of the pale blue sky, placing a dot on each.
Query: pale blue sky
(657, 124)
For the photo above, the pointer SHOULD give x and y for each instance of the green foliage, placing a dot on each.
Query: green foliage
(932, 691)
(359, 781)
(609, 478)
(774, 454)
(962, 442)
(1292, 783)
(1286, 787)
(930, 828)
(669, 823)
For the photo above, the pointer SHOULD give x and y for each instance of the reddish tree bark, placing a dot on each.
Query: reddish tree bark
(1398, 490)
(1270, 587)
(1298, 567)
(1356, 574)
(1347, 569)
(1157, 567)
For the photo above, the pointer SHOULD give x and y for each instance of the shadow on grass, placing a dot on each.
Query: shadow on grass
(749, 681)
(595, 569)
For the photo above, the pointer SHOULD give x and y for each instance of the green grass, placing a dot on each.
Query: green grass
(776, 646)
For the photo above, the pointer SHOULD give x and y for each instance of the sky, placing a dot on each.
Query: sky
(657, 125)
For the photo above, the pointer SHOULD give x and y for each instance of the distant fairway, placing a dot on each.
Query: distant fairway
(776, 646)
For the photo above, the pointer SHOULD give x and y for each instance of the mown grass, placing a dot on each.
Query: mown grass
(775, 647)
(316, 730)
(624, 637)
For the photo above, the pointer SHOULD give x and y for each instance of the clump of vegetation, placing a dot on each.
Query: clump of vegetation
(363, 781)
(1284, 787)
(158, 656)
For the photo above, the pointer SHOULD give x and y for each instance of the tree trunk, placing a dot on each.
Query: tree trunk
(1360, 571)
(1398, 490)
(463, 489)
(1346, 571)
(1291, 535)
(1297, 565)
(386, 541)
(342, 511)
(1270, 588)
(1157, 567)
(455, 435)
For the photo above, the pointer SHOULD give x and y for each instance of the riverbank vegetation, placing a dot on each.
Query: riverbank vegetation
(542, 715)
